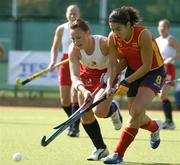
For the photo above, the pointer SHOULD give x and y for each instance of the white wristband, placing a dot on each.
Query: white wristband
(77, 83)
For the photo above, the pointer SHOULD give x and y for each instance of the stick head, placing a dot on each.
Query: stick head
(44, 143)
(18, 82)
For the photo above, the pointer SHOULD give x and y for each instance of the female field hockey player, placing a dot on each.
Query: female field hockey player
(62, 36)
(144, 75)
(88, 56)
(170, 50)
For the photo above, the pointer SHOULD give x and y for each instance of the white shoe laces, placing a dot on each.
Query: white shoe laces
(155, 135)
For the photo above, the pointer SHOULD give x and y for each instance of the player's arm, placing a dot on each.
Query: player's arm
(176, 45)
(56, 45)
(146, 51)
(104, 46)
(121, 65)
(112, 64)
(74, 65)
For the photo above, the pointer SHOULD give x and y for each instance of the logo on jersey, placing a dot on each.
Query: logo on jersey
(93, 63)
(135, 45)
(88, 82)
(119, 44)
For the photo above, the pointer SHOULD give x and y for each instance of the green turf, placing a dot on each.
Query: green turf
(22, 128)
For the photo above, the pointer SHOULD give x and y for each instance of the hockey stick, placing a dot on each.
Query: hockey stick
(88, 106)
(45, 142)
(169, 81)
(75, 116)
(120, 90)
(83, 106)
(38, 74)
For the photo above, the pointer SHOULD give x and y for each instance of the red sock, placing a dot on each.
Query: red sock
(127, 137)
(151, 126)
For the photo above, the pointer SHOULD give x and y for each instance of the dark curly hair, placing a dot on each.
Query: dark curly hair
(124, 15)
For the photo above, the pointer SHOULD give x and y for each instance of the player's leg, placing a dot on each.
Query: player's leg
(164, 95)
(154, 127)
(137, 107)
(140, 95)
(154, 81)
(92, 128)
(74, 131)
(109, 108)
(65, 93)
(65, 100)
(65, 86)
(167, 107)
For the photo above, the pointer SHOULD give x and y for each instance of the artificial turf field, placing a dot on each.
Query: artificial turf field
(21, 129)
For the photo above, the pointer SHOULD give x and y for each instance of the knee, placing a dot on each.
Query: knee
(65, 102)
(135, 118)
(135, 113)
(98, 113)
(162, 98)
(87, 120)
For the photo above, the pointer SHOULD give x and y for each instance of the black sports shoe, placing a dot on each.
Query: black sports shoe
(73, 132)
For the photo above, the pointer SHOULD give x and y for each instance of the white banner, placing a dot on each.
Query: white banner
(23, 64)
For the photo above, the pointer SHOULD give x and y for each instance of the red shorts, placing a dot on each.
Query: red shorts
(170, 73)
(91, 77)
(64, 73)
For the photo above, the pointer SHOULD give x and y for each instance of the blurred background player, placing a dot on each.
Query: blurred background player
(1, 52)
(88, 60)
(67, 94)
(144, 76)
(170, 50)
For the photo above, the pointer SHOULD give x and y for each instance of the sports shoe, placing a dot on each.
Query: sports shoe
(155, 137)
(168, 125)
(98, 154)
(73, 132)
(113, 159)
(116, 117)
(69, 130)
(74, 129)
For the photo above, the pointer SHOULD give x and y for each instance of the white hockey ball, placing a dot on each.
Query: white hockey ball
(17, 157)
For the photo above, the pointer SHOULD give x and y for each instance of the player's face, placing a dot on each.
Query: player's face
(79, 38)
(163, 29)
(72, 14)
(119, 29)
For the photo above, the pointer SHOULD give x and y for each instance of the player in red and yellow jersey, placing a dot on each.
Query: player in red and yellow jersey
(131, 49)
(144, 75)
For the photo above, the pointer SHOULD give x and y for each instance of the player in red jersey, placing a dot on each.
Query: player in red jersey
(88, 56)
(144, 75)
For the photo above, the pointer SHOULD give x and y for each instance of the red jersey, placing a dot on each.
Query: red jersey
(131, 50)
